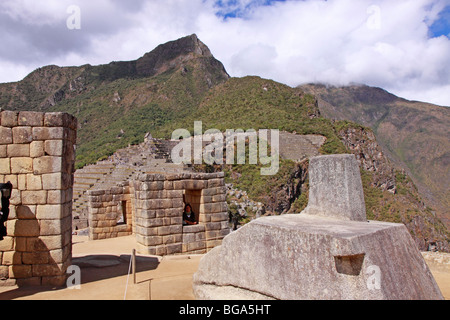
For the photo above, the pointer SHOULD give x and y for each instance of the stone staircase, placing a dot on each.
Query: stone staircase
(152, 156)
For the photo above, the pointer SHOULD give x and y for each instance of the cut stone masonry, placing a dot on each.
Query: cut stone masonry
(37, 156)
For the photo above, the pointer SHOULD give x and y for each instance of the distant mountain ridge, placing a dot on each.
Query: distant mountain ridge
(415, 135)
(46, 86)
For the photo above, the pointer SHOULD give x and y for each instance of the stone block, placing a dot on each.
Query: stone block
(336, 188)
(152, 186)
(197, 245)
(6, 136)
(176, 220)
(193, 229)
(45, 270)
(55, 227)
(24, 228)
(22, 135)
(174, 212)
(49, 212)
(218, 217)
(47, 164)
(22, 182)
(143, 249)
(21, 244)
(178, 185)
(212, 234)
(164, 231)
(54, 147)
(9, 118)
(5, 166)
(204, 218)
(20, 271)
(34, 182)
(56, 181)
(172, 194)
(177, 203)
(59, 255)
(34, 197)
(4, 273)
(168, 185)
(37, 149)
(58, 119)
(173, 248)
(21, 165)
(26, 212)
(41, 257)
(214, 191)
(146, 231)
(44, 133)
(7, 244)
(16, 197)
(3, 151)
(149, 240)
(213, 183)
(29, 118)
(194, 184)
(188, 237)
(18, 150)
(55, 242)
(219, 198)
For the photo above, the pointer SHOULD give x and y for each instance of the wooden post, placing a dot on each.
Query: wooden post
(134, 265)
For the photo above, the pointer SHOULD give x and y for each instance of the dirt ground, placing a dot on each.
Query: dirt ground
(104, 266)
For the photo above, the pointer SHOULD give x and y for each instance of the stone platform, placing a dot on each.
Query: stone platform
(330, 251)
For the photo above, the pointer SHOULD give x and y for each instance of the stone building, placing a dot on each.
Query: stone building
(151, 206)
(37, 156)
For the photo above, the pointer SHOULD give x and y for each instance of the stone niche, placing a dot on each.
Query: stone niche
(151, 207)
(37, 156)
(329, 251)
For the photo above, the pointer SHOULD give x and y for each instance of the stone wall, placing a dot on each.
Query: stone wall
(37, 156)
(110, 213)
(156, 204)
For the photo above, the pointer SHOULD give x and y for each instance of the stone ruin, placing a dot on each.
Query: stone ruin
(151, 206)
(329, 251)
(37, 156)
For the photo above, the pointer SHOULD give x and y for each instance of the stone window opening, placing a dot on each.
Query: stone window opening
(122, 216)
(193, 198)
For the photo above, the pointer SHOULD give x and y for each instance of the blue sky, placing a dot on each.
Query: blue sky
(441, 27)
(240, 9)
(402, 46)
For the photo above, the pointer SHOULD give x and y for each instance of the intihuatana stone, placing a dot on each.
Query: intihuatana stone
(330, 251)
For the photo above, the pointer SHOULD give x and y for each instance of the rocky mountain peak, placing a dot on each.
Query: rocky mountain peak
(171, 55)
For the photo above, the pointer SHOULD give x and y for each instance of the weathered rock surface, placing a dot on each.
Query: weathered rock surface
(336, 188)
(318, 256)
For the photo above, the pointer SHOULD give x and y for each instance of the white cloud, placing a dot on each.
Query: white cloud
(377, 42)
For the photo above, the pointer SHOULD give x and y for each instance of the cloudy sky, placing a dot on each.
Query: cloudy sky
(402, 46)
